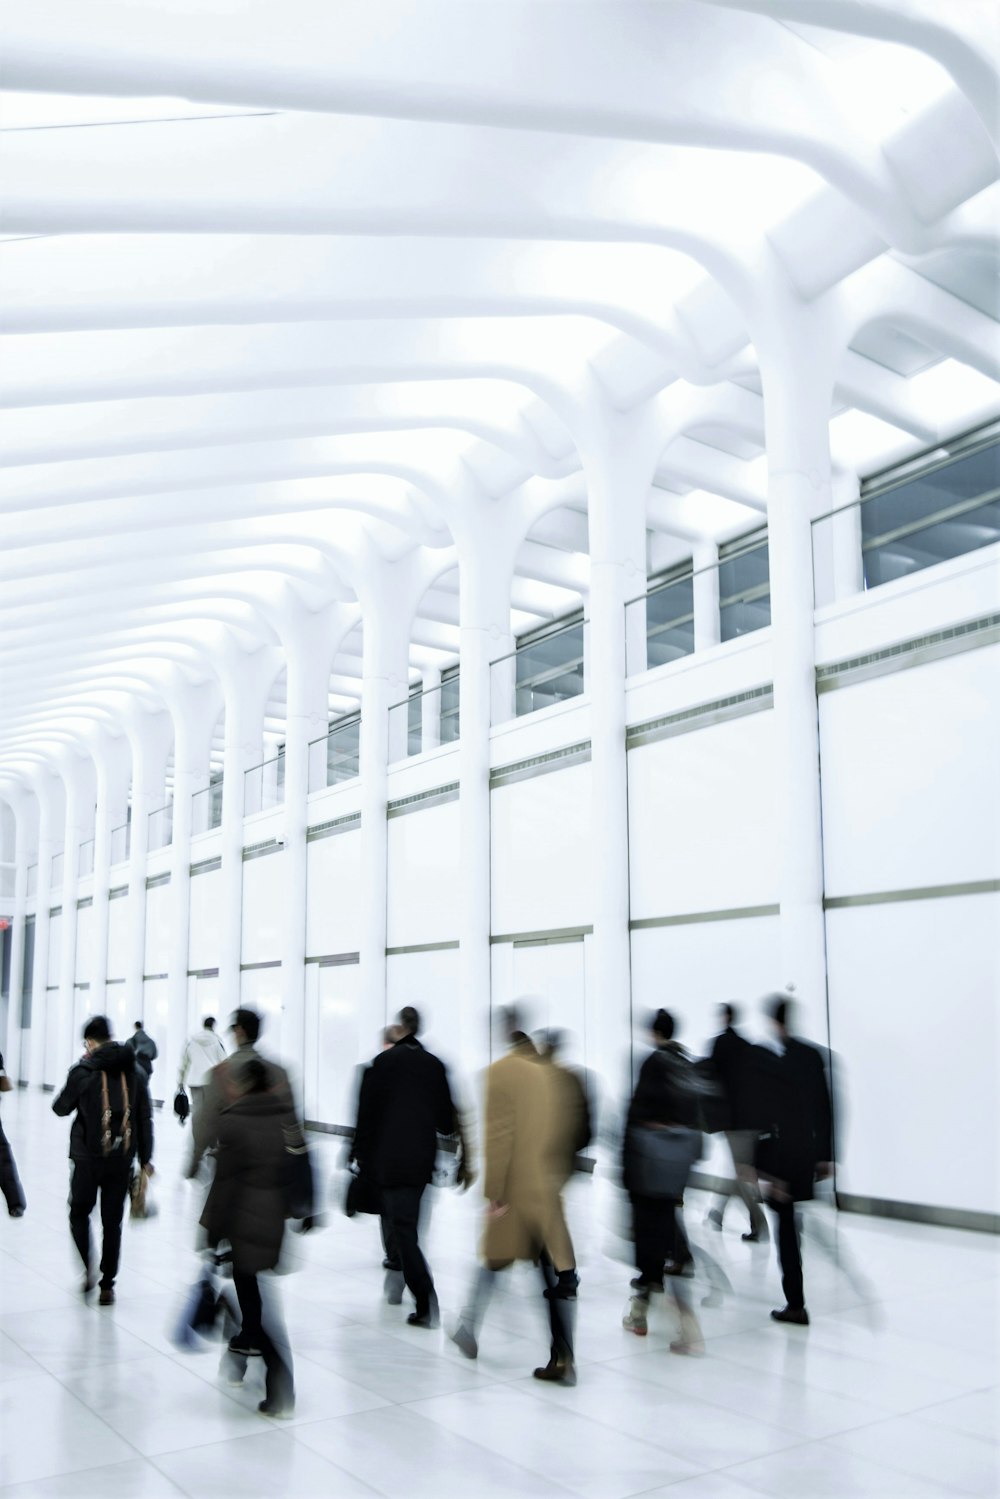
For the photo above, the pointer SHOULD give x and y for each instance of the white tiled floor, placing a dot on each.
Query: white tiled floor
(891, 1392)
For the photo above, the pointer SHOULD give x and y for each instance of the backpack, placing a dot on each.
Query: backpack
(114, 1118)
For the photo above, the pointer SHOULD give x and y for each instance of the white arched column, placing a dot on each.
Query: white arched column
(51, 795)
(113, 759)
(430, 708)
(151, 735)
(24, 806)
(705, 590)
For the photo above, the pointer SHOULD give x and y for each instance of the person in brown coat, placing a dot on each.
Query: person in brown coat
(530, 1136)
(247, 1205)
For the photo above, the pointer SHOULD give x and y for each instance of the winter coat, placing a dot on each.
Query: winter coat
(404, 1104)
(659, 1099)
(83, 1093)
(224, 1085)
(530, 1135)
(794, 1100)
(144, 1049)
(203, 1051)
(246, 1203)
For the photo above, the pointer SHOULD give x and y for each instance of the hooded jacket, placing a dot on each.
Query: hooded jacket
(82, 1092)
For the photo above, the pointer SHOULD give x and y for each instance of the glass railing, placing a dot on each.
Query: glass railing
(336, 756)
(32, 879)
(121, 843)
(58, 863)
(85, 863)
(546, 670)
(425, 721)
(856, 547)
(161, 827)
(206, 808)
(264, 786)
(8, 878)
(660, 625)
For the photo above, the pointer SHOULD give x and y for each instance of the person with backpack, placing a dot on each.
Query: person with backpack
(113, 1124)
(144, 1049)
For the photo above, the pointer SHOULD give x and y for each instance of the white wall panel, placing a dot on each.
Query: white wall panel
(911, 776)
(118, 935)
(423, 876)
(155, 1000)
(84, 944)
(55, 946)
(264, 896)
(333, 894)
(334, 1050)
(159, 914)
(205, 932)
(702, 825)
(914, 1006)
(260, 990)
(541, 852)
(116, 1006)
(429, 982)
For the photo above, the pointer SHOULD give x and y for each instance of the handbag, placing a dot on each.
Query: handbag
(182, 1106)
(361, 1195)
(660, 1160)
(141, 1204)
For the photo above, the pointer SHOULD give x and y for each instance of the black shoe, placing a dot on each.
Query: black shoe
(243, 1346)
(16, 1212)
(796, 1314)
(751, 1238)
(679, 1267)
(388, 1264)
(107, 1296)
(277, 1410)
(646, 1288)
(464, 1340)
(425, 1316)
(558, 1371)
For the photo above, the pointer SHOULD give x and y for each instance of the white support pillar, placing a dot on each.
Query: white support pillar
(195, 711)
(25, 809)
(487, 551)
(44, 1009)
(620, 456)
(430, 708)
(848, 559)
(797, 380)
(79, 777)
(151, 736)
(705, 589)
(387, 612)
(113, 759)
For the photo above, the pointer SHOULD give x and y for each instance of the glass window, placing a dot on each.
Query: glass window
(549, 668)
(744, 587)
(670, 621)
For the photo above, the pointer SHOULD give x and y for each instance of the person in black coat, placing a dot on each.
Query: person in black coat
(113, 1125)
(732, 1061)
(10, 1182)
(405, 1103)
(796, 1146)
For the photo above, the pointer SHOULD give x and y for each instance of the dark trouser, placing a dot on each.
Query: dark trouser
(742, 1144)
(560, 1299)
(279, 1381)
(789, 1253)
(659, 1236)
(10, 1182)
(401, 1218)
(109, 1177)
(389, 1249)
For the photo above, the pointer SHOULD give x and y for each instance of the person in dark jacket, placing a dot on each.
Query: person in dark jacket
(10, 1182)
(405, 1104)
(796, 1146)
(731, 1058)
(144, 1048)
(113, 1125)
(224, 1083)
(247, 1205)
(660, 1100)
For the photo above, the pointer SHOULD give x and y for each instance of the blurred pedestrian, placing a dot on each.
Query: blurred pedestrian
(391, 1263)
(662, 1143)
(574, 1097)
(534, 1122)
(113, 1124)
(144, 1049)
(247, 1205)
(224, 1083)
(203, 1051)
(10, 1182)
(796, 1146)
(405, 1104)
(733, 1064)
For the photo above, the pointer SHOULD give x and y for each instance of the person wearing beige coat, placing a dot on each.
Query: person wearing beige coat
(529, 1139)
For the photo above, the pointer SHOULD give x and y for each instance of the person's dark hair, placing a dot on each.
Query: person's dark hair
(729, 1013)
(97, 1029)
(248, 1022)
(662, 1025)
(138, 1025)
(253, 1076)
(780, 1009)
(409, 1019)
(209, 1022)
(510, 1022)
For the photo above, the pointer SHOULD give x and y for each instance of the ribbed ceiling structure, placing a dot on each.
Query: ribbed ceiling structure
(286, 286)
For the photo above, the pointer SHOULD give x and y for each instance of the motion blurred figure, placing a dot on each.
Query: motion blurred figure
(247, 1205)
(113, 1124)
(224, 1084)
(535, 1119)
(10, 1182)
(203, 1051)
(733, 1063)
(796, 1146)
(391, 1262)
(662, 1142)
(405, 1104)
(143, 1048)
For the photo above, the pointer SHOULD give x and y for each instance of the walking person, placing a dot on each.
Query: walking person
(247, 1205)
(10, 1182)
(223, 1084)
(796, 1146)
(144, 1049)
(733, 1063)
(203, 1051)
(535, 1121)
(405, 1104)
(113, 1124)
(662, 1143)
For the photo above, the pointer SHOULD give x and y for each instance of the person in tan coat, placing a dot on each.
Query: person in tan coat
(530, 1137)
